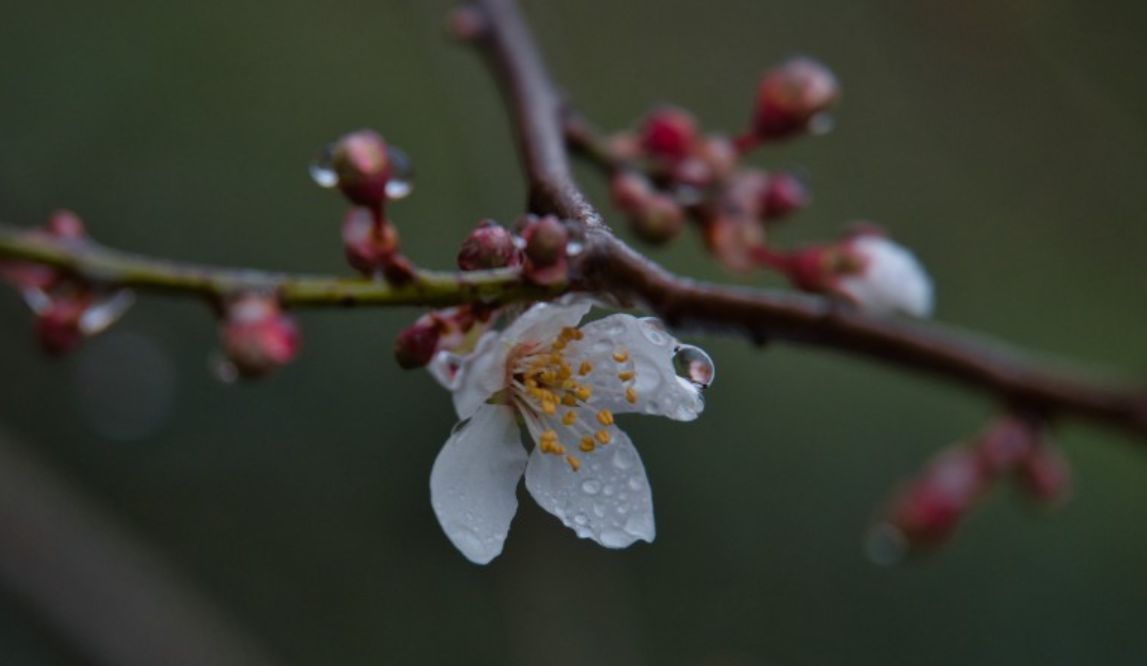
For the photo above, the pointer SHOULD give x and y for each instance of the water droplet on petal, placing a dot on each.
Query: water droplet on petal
(322, 169)
(693, 364)
(591, 487)
(581, 519)
(401, 181)
(636, 483)
(622, 459)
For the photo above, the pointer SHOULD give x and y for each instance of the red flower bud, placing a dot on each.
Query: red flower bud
(783, 193)
(58, 327)
(257, 336)
(792, 96)
(368, 241)
(546, 251)
(365, 169)
(734, 240)
(658, 219)
(928, 510)
(1007, 443)
(488, 246)
(668, 133)
(416, 344)
(629, 190)
(66, 225)
(1046, 476)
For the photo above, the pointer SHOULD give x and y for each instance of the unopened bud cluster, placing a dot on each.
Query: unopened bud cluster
(927, 511)
(67, 308)
(369, 173)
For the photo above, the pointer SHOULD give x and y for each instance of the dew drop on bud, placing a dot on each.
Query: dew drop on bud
(400, 182)
(322, 170)
(694, 365)
(574, 248)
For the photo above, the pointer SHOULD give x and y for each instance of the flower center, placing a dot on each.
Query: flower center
(557, 387)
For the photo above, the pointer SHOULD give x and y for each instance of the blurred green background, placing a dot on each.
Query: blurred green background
(1006, 142)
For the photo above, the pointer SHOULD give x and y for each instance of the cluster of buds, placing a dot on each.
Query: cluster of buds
(67, 308)
(489, 246)
(669, 171)
(927, 511)
(369, 173)
(257, 337)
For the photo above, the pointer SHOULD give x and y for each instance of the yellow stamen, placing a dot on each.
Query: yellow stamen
(605, 417)
(568, 418)
(621, 356)
(569, 400)
(626, 376)
(603, 436)
(583, 393)
(585, 368)
(631, 395)
(574, 463)
(587, 444)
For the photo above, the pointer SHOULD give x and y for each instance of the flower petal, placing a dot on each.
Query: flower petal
(607, 499)
(478, 375)
(648, 351)
(893, 279)
(543, 321)
(474, 482)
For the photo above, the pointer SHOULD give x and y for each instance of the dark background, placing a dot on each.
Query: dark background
(1006, 142)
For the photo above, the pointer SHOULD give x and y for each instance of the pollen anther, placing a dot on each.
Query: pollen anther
(605, 417)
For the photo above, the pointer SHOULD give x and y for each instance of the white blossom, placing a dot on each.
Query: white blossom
(889, 279)
(564, 385)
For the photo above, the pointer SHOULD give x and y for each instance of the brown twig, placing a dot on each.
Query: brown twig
(611, 267)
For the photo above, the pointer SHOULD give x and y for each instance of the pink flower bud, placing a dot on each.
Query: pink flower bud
(668, 133)
(629, 190)
(929, 509)
(1046, 476)
(546, 251)
(257, 336)
(658, 219)
(416, 344)
(368, 241)
(365, 169)
(488, 246)
(66, 225)
(791, 96)
(735, 240)
(783, 194)
(58, 326)
(1007, 443)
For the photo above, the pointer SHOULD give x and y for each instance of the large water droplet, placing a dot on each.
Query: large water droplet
(322, 169)
(693, 364)
(401, 181)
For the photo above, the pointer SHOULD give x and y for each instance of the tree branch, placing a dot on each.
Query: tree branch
(611, 267)
(103, 265)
